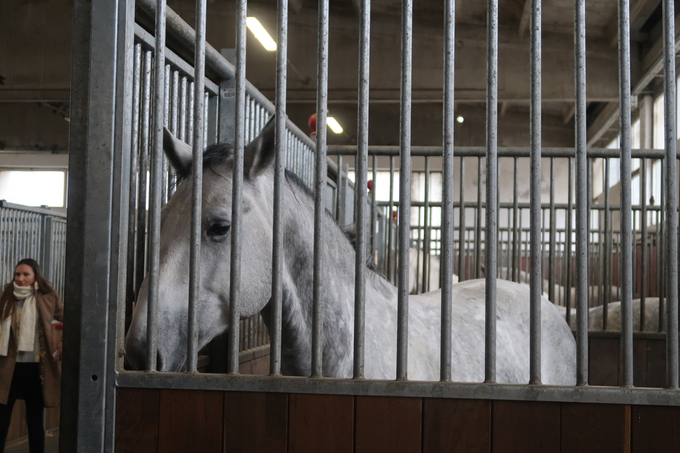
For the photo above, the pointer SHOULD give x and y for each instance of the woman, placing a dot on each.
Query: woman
(28, 353)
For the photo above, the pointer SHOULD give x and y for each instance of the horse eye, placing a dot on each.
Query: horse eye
(217, 231)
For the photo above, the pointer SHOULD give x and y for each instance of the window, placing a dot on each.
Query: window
(33, 188)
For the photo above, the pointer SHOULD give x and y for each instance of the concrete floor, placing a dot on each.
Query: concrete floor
(51, 444)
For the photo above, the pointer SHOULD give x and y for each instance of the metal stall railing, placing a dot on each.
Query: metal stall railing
(38, 233)
(101, 129)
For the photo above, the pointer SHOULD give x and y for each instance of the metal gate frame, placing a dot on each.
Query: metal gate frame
(98, 200)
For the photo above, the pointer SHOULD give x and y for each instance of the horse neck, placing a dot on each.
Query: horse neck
(337, 290)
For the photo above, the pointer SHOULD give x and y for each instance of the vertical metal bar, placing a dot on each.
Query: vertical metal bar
(360, 190)
(175, 99)
(390, 222)
(155, 192)
(646, 129)
(279, 179)
(553, 233)
(462, 274)
(607, 228)
(626, 208)
(134, 150)
(182, 110)
(515, 213)
(142, 187)
(490, 236)
(581, 194)
(404, 186)
(237, 188)
(320, 187)
(166, 117)
(478, 222)
(661, 251)
(447, 222)
(190, 116)
(671, 206)
(197, 186)
(338, 197)
(426, 232)
(374, 209)
(535, 222)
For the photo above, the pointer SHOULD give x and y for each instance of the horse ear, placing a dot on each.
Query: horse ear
(179, 153)
(260, 153)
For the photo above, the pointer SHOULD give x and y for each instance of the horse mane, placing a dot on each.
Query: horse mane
(213, 156)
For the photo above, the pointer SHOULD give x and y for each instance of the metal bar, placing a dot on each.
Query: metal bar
(237, 188)
(515, 213)
(374, 213)
(426, 235)
(134, 150)
(491, 239)
(142, 187)
(535, 223)
(553, 242)
(478, 221)
(607, 228)
(646, 133)
(671, 195)
(155, 170)
(320, 187)
(360, 193)
(279, 178)
(390, 222)
(447, 221)
(416, 389)
(404, 186)
(182, 110)
(480, 151)
(626, 205)
(462, 274)
(197, 188)
(581, 194)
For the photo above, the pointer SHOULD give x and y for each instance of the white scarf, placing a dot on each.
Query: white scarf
(27, 321)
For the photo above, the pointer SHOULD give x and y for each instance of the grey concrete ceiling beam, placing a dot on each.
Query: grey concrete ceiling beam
(640, 10)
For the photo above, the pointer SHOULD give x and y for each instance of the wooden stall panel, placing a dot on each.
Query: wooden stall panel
(190, 420)
(656, 429)
(595, 428)
(137, 420)
(603, 356)
(321, 423)
(388, 424)
(255, 422)
(456, 426)
(525, 427)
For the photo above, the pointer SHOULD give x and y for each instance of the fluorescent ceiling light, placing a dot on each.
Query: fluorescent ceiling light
(334, 125)
(460, 119)
(261, 34)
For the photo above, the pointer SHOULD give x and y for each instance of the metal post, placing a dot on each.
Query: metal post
(404, 186)
(197, 188)
(462, 255)
(279, 178)
(320, 188)
(447, 192)
(535, 224)
(626, 207)
(581, 195)
(671, 206)
(491, 236)
(360, 190)
(237, 188)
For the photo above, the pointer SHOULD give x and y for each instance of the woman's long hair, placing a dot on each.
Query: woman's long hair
(7, 300)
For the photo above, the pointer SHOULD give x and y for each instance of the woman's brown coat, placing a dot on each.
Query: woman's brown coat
(49, 308)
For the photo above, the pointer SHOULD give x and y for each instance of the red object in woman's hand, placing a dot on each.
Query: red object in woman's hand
(312, 123)
(369, 184)
(58, 325)
(394, 215)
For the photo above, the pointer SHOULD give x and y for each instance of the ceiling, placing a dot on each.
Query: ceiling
(34, 92)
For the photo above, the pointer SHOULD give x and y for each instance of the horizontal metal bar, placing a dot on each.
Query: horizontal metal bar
(20, 207)
(418, 389)
(185, 68)
(480, 151)
(510, 205)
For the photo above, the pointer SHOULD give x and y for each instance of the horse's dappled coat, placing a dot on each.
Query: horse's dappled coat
(558, 345)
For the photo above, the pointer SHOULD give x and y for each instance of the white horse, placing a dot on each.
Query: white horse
(558, 345)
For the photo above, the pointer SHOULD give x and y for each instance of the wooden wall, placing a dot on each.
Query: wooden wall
(165, 421)
(153, 420)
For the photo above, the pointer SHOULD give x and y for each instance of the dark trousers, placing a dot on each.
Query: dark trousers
(25, 386)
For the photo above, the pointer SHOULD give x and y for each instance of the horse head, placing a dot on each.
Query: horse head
(256, 238)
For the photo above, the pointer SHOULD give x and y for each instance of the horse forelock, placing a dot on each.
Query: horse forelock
(213, 156)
